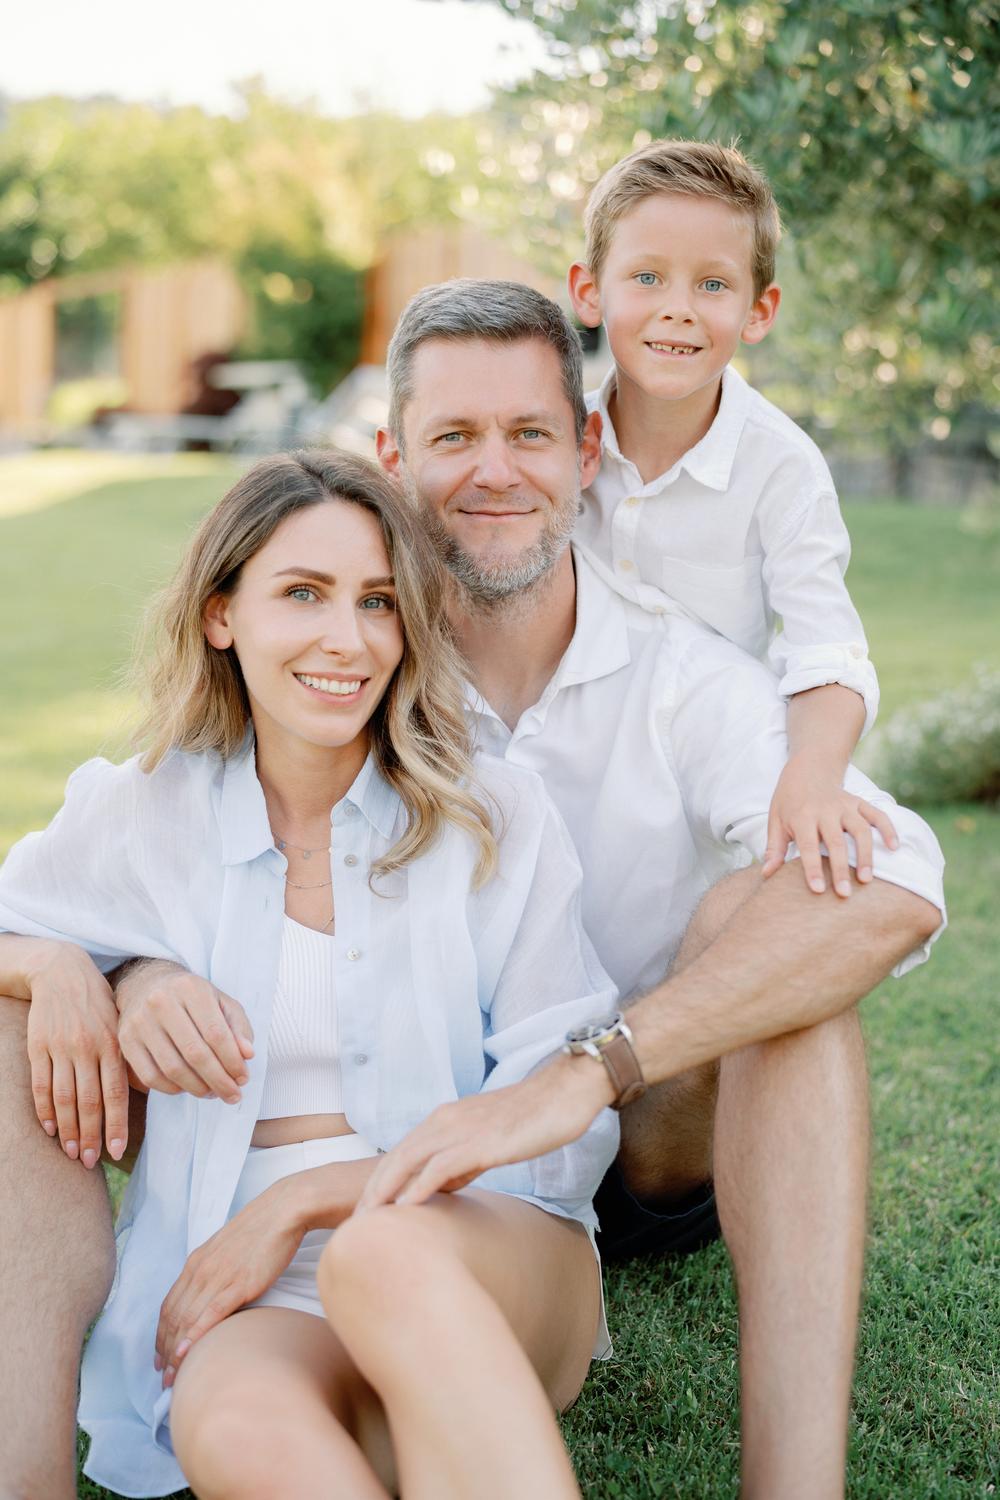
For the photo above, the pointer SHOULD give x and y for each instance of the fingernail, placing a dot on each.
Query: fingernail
(242, 1078)
(72, 1150)
(168, 1377)
(865, 873)
(116, 1147)
(89, 1157)
(182, 1349)
(49, 1126)
(816, 884)
(157, 1363)
(843, 888)
(894, 842)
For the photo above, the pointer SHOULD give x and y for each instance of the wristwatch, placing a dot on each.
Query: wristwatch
(610, 1042)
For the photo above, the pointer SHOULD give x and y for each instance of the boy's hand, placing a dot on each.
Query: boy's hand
(810, 806)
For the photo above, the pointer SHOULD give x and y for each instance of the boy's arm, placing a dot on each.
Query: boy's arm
(810, 805)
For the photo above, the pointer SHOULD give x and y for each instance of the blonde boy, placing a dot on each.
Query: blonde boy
(707, 492)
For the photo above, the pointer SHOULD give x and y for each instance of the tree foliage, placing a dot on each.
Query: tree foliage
(877, 124)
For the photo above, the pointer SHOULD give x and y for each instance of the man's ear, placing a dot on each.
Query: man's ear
(590, 450)
(387, 451)
(760, 319)
(584, 295)
(215, 622)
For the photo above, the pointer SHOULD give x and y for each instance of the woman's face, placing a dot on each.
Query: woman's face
(313, 622)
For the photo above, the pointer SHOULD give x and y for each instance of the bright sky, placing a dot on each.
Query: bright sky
(409, 55)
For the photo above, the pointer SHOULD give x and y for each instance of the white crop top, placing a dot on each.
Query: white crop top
(303, 1063)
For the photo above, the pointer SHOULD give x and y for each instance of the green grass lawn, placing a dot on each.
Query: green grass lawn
(83, 542)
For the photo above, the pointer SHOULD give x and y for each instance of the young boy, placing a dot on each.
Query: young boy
(707, 492)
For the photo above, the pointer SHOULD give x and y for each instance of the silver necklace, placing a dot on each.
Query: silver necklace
(283, 844)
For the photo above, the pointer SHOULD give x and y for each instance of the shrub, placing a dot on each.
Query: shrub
(946, 749)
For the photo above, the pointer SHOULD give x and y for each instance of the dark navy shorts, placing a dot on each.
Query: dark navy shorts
(629, 1229)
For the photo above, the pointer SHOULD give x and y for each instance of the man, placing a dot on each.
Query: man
(661, 745)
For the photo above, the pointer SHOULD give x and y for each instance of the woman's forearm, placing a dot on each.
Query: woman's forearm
(20, 960)
(322, 1197)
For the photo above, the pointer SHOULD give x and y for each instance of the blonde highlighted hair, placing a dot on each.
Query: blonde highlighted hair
(696, 169)
(196, 699)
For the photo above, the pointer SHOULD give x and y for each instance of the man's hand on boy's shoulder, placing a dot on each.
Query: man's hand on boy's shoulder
(810, 808)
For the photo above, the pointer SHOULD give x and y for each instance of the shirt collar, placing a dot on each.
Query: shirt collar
(599, 645)
(711, 460)
(246, 829)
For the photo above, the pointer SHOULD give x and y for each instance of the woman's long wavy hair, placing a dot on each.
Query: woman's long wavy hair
(195, 695)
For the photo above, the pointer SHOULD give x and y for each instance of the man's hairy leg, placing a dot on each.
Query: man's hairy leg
(57, 1255)
(790, 1166)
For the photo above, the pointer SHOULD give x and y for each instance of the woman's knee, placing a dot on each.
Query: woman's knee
(233, 1432)
(387, 1255)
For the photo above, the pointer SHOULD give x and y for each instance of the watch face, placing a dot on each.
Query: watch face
(592, 1032)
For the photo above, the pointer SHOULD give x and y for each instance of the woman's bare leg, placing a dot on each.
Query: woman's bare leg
(269, 1406)
(472, 1316)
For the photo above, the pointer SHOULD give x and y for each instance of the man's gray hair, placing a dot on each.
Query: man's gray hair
(502, 311)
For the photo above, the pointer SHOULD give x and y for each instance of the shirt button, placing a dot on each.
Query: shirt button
(857, 651)
(632, 500)
(624, 566)
(361, 1059)
(353, 953)
(350, 810)
(350, 859)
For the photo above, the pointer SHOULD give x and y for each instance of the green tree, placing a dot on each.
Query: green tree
(878, 125)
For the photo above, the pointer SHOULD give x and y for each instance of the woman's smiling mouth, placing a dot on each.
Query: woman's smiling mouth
(333, 687)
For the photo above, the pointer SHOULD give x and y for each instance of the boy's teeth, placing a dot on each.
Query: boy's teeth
(675, 348)
(328, 685)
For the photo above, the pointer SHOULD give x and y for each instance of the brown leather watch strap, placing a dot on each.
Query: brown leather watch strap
(624, 1070)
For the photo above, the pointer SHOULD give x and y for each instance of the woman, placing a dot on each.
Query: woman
(302, 831)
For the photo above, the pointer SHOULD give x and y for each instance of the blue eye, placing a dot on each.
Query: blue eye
(647, 278)
(713, 284)
(300, 593)
(377, 601)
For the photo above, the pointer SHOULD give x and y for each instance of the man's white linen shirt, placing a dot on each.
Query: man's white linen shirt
(441, 991)
(743, 530)
(661, 744)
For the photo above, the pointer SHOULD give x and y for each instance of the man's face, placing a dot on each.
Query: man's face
(491, 458)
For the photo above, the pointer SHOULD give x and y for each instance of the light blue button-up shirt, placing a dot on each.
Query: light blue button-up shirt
(441, 991)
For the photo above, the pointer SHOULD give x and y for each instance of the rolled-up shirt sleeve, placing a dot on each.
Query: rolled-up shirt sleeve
(822, 640)
(550, 981)
(728, 743)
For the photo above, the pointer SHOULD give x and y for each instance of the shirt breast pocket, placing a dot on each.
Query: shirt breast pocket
(730, 600)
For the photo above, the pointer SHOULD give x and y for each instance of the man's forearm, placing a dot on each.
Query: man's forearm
(786, 960)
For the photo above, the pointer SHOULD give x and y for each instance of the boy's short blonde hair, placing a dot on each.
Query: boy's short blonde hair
(698, 169)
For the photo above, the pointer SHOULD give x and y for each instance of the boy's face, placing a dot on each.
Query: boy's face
(676, 294)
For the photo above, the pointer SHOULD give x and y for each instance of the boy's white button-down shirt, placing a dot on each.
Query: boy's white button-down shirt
(661, 744)
(744, 531)
(441, 991)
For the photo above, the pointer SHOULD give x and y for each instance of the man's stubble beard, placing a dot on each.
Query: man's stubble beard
(501, 586)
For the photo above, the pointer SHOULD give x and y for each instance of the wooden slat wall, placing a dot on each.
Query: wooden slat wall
(170, 317)
(415, 259)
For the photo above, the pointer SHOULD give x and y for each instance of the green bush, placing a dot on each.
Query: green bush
(946, 749)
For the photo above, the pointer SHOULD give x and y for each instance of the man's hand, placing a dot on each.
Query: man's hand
(78, 1077)
(179, 1034)
(810, 806)
(548, 1109)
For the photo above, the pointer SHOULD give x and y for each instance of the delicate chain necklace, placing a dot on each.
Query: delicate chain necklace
(321, 885)
(283, 844)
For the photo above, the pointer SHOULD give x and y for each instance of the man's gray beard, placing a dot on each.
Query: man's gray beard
(499, 585)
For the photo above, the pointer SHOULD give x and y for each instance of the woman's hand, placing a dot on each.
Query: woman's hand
(179, 1034)
(810, 806)
(225, 1273)
(78, 1078)
(456, 1143)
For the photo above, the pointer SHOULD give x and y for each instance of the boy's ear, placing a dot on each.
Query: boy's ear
(215, 623)
(584, 294)
(760, 319)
